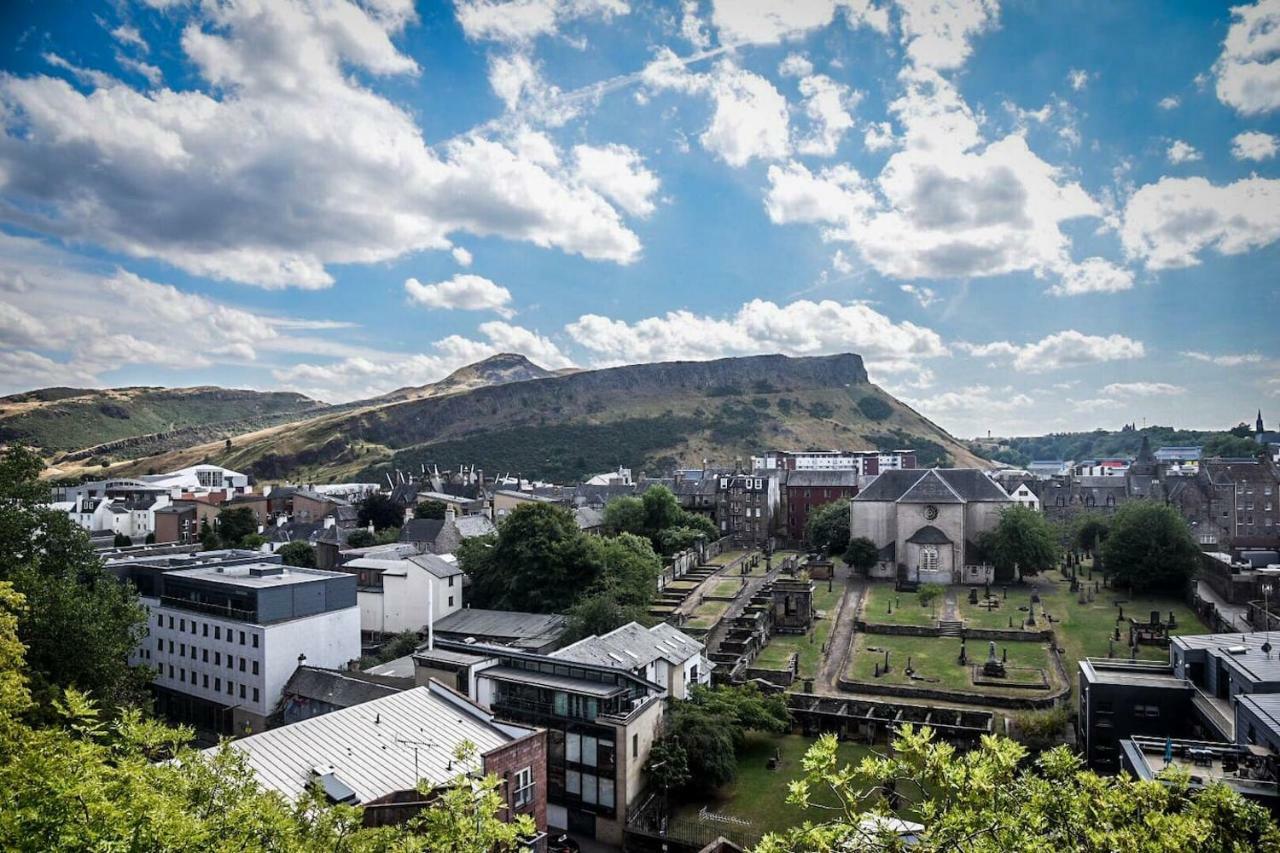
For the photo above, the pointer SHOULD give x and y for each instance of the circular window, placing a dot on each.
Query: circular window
(931, 512)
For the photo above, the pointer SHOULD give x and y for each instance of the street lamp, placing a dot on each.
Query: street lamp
(1266, 615)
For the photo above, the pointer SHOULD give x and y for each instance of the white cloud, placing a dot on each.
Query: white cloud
(879, 136)
(692, 27)
(1253, 145)
(1226, 359)
(461, 256)
(151, 73)
(753, 21)
(922, 294)
(1169, 102)
(980, 400)
(129, 36)
(795, 65)
(1248, 71)
(285, 165)
(827, 105)
(517, 21)
(749, 117)
(802, 327)
(517, 81)
(1182, 152)
(1142, 389)
(1069, 348)
(464, 292)
(937, 33)
(1093, 275)
(1171, 222)
(619, 174)
(1078, 78)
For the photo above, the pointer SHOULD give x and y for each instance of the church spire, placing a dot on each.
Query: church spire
(1258, 427)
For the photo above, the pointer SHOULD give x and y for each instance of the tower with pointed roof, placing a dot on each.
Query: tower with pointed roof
(1258, 428)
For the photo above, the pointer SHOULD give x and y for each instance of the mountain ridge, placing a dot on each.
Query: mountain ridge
(563, 425)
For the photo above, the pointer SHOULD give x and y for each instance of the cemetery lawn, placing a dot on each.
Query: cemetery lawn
(683, 586)
(937, 657)
(726, 557)
(1084, 628)
(781, 646)
(707, 614)
(976, 616)
(906, 607)
(724, 589)
(759, 794)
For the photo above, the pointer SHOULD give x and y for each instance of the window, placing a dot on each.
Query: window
(182, 650)
(170, 623)
(231, 661)
(606, 792)
(590, 793)
(242, 638)
(182, 624)
(182, 675)
(573, 748)
(255, 641)
(635, 746)
(171, 647)
(572, 782)
(451, 581)
(206, 629)
(159, 645)
(231, 687)
(171, 670)
(255, 694)
(242, 664)
(242, 691)
(522, 788)
(205, 681)
(217, 658)
(159, 621)
(193, 626)
(451, 597)
(217, 632)
(589, 751)
(255, 667)
(217, 685)
(205, 654)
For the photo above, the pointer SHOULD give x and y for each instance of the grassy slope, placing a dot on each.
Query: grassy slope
(548, 430)
(72, 421)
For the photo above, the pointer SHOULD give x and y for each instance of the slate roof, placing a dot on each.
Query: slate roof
(364, 747)
(933, 485)
(632, 646)
(421, 530)
(390, 565)
(474, 525)
(522, 629)
(822, 479)
(929, 535)
(334, 687)
(588, 517)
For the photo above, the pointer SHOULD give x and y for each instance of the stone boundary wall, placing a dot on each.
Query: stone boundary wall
(961, 696)
(968, 633)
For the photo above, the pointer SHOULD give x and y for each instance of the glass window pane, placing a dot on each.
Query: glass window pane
(606, 792)
(573, 782)
(573, 748)
(588, 788)
(589, 751)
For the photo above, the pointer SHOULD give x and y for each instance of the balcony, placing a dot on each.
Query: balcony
(226, 611)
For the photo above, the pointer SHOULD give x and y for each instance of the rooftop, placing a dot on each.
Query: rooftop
(1248, 770)
(375, 748)
(503, 624)
(632, 646)
(256, 575)
(933, 485)
(1242, 652)
(599, 689)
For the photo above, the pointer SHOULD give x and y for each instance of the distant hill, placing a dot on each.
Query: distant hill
(651, 417)
(1097, 444)
(79, 423)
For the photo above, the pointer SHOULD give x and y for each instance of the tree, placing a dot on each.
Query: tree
(209, 539)
(380, 511)
(80, 624)
(299, 554)
(1240, 430)
(430, 509)
(828, 527)
(711, 727)
(85, 783)
(1023, 540)
(235, 524)
(1150, 547)
(361, 538)
(668, 765)
(862, 554)
(1228, 445)
(929, 593)
(988, 800)
(254, 541)
(657, 516)
(1090, 529)
(121, 541)
(226, 445)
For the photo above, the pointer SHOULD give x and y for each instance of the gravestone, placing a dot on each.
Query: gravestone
(993, 668)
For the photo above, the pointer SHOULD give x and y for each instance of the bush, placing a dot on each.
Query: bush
(874, 408)
(1039, 730)
(299, 554)
(929, 593)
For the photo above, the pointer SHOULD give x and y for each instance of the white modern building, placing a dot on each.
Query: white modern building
(405, 593)
(661, 655)
(224, 637)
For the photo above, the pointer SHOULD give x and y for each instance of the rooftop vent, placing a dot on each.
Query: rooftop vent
(1237, 650)
(266, 571)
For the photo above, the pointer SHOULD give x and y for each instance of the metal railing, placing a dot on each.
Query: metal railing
(225, 610)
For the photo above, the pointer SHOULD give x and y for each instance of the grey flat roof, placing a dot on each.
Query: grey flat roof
(1253, 662)
(474, 621)
(553, 682)
(240, 575)
(1265, 706)
(1099, 672)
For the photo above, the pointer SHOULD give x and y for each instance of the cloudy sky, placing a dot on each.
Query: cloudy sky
(1026, 216)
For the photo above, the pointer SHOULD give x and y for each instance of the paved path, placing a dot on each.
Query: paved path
(950, 607)
(841, 636)
(739, 604)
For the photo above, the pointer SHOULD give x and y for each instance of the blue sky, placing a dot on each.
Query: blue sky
(1026, 216)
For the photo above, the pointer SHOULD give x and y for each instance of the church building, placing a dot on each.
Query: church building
(925, 523)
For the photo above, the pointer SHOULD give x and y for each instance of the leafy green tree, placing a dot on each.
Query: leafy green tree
(254, 541)
(1090, 529)
(668, 765)
(625, 515)
(989, 800)
(1025, 541)
(380, 511)
(598, 613)
(1038, 730)
(299, 554)
(1150, 547)
(209, 539)
(658, 516)
(929, 593)
(828, 527)
(539, 561)
(862, 554)
(711, 727)
(1227, 444)
(235, 524)
(121, 541)
(430, 509)
(361, 538)
(80, 624)
(1241, 430)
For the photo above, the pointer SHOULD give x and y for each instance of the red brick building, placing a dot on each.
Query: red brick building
(805, 491)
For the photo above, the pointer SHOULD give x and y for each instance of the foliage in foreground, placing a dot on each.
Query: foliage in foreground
(85, 784)
(987, 801)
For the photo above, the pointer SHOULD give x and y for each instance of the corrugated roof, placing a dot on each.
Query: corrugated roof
(335, 688)
(371, 747)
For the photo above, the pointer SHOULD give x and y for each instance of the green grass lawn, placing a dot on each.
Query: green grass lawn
(781, 646)
(724, 589)
(906, 607)
(976, 616)
(936, 657)
(707, 614)
(1083, 629)
(726, 557)
(682, 586)
(759, 794)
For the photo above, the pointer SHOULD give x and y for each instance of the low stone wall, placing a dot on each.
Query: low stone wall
(780, 677)
(969, 633)
(961, 696)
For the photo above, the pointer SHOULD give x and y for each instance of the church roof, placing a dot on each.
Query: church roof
(933, 485)
(930, 489)
(929, 535)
